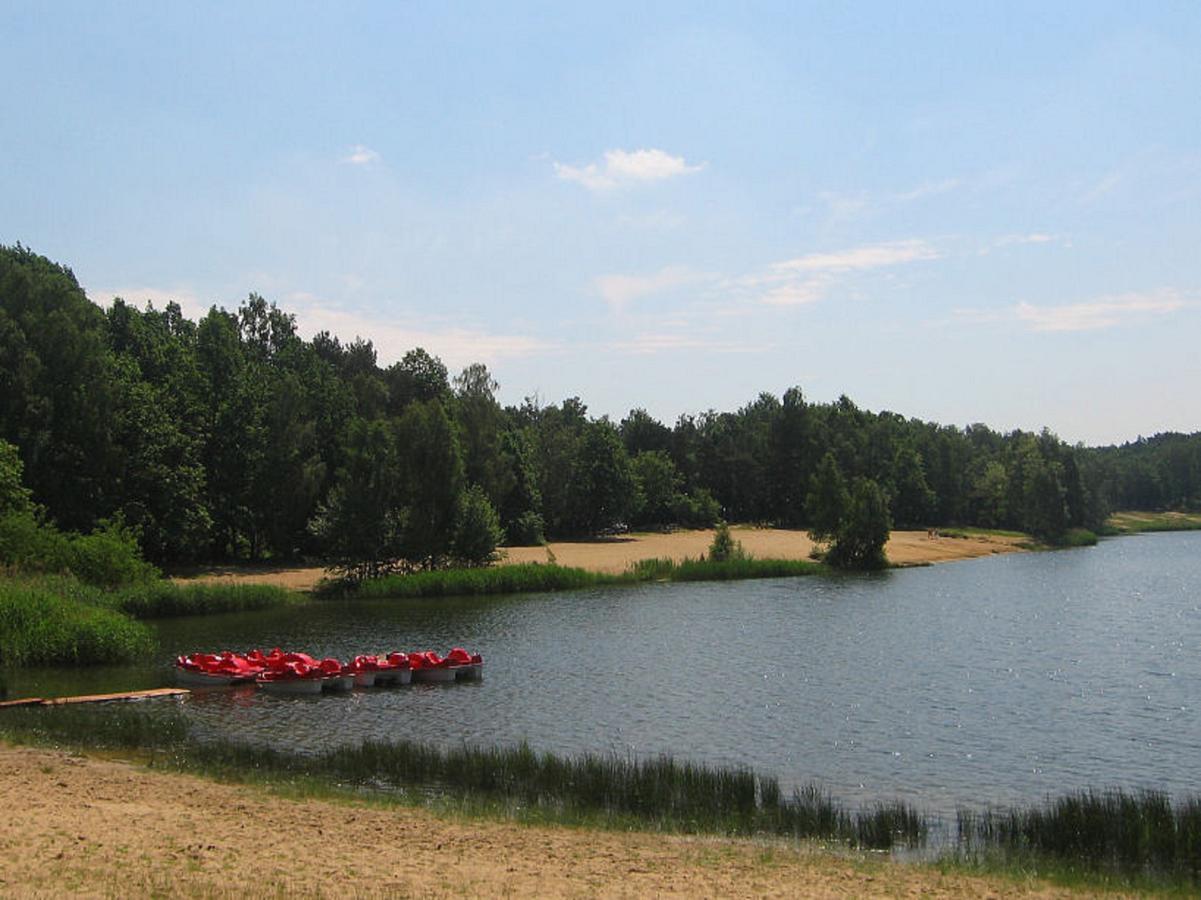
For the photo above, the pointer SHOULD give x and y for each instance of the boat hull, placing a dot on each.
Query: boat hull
(435, 675)
(193, 678)
(339, 683)
(292, 686)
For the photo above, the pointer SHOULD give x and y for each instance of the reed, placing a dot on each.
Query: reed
(56, 620)
(1131, 834)
(514, 579)
(661, 793)
(163, 599)
(735, 568)
(541, 577)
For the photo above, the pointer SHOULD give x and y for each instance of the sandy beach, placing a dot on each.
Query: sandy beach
(97, 827)
(615, 554)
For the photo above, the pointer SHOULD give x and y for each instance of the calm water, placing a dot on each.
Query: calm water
(994, 680)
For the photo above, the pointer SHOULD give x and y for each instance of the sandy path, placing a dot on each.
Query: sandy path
(614, 555)
(95, 827)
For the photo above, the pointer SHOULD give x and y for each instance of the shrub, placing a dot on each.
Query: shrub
(724, 547)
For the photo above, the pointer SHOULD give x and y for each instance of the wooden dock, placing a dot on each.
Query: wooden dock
(97, 698)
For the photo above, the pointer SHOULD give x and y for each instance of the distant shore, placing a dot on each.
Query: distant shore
(613, 555)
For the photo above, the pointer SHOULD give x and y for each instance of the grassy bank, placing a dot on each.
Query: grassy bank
(542, 577)
(660, 794)
(164, 599)
(1140, 522)
(60, 620)
(57, 620)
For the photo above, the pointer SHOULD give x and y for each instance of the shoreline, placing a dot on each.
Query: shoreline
(98, 825)
(613, 555)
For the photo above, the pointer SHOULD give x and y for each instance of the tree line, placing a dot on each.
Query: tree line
(231, 437)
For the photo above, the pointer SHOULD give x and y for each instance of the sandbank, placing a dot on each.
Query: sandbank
(615, 554)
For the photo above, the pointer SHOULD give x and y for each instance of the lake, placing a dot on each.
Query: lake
(995, 680)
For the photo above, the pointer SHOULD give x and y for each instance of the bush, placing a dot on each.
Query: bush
(527, 530)
(477, 529)
(724, 547)
(108, 557)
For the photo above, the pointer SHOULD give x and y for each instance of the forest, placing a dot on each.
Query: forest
(233, 438)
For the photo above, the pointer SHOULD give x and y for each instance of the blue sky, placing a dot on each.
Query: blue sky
(964, 212)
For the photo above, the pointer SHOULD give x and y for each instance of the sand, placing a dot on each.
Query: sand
(96, 827)
(615, 554)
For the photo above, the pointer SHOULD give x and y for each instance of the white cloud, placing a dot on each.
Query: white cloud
(928, 189)
(652, 342)
(190, 303)
(620, 290)
(796, 293)
(622, 167)
(869, 256)
(361, 156)
(1103, 312)
(456, 345)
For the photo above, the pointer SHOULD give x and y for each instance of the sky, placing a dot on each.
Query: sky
(960, 212)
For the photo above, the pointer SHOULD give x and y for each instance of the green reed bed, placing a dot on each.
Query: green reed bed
(738, 568)
(163, 599)
(541, 577)
(56, 620)
(514, 579)
(660, 793)
(1131, 834)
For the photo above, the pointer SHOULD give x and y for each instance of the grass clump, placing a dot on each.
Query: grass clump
(61, 621)
(163, 599)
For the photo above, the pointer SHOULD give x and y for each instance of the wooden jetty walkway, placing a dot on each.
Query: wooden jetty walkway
(96, 698)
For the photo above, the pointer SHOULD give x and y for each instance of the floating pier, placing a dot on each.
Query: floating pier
(97, 698)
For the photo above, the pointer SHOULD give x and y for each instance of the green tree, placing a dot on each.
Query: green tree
(14, 496)
(602, 490)
(521, 500)
(827, 501)
(432, 466)
(477, 529)
(361, 525)
(658, 488)
(863, 531)
(913, 503)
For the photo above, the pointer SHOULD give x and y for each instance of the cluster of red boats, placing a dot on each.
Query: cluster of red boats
(299, 673)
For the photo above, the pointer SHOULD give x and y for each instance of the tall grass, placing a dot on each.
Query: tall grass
(162, 599)
(60, 621)
(540, 577)
(1111, 831)
(735, 568)
(515, 579)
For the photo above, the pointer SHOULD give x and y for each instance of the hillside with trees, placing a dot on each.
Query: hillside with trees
(233, 438)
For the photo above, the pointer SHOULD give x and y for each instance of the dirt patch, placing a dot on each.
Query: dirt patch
(97, 827)
(614, 555)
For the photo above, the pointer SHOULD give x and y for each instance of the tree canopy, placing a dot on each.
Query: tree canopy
(234, 437)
